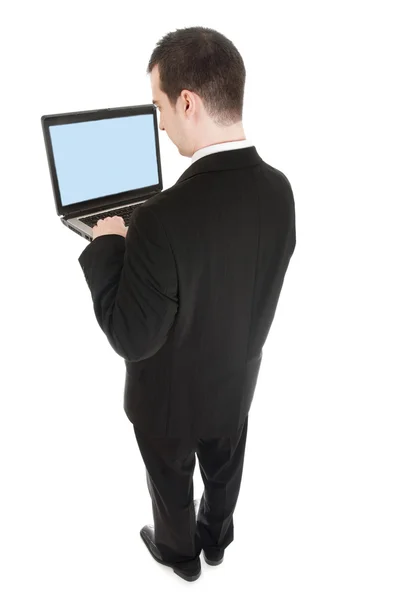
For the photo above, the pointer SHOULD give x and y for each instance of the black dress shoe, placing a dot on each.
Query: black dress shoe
(188, 573)
(214, 557)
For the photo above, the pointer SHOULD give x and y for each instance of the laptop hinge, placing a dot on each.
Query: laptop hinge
(136, 199)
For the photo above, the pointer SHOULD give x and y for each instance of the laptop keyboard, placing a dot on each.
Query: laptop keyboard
(123, 211)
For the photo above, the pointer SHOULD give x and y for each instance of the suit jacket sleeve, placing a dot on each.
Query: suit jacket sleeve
(133, 284)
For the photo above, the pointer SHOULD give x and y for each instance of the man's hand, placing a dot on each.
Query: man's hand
(109, 226)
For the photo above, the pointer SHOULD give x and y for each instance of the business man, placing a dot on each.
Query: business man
(187, 293)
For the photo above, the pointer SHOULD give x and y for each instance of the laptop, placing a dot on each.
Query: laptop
(102, 163)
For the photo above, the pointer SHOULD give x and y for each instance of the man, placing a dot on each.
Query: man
(187, 293)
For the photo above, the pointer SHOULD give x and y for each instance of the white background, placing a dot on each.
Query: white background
(317, 513)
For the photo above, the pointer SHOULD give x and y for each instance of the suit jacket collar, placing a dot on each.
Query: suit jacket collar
(220, 161)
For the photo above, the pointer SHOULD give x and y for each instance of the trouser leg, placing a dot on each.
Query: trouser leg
(170, 466)
(221, 466)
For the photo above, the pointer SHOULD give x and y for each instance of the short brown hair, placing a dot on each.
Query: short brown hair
(203, 61)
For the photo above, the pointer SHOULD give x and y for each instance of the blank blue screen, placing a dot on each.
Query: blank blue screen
(99, 158)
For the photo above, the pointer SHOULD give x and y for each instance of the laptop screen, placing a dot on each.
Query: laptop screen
(103, 157)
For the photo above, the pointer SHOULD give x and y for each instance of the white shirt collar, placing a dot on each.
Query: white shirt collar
(220, 147)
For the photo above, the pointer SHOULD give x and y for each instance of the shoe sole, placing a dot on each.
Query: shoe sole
(187, 577)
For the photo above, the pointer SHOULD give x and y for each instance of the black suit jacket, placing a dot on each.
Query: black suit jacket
(189, 296)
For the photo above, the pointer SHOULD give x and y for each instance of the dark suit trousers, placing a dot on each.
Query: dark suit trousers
(170, 465)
